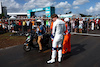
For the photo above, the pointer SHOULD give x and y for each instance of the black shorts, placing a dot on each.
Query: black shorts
(20, 27)
(28, 27)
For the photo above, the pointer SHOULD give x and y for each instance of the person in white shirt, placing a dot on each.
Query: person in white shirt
(57, 32)
(97, 26)
(28, 23)
(92, 26)
(80, 25)
(72, 24)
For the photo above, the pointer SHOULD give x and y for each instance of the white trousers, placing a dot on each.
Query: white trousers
(58, 39)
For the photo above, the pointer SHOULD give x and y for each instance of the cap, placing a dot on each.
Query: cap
(66, 19)
(39, 21)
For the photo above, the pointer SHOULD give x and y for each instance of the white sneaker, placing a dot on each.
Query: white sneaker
(59, 60)
(51, 61)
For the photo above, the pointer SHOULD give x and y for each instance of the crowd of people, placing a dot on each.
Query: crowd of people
(80, 25)
(77, 25)
(22, 25)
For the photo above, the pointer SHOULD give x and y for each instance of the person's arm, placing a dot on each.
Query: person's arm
(39, 28)
(65, 29)
(54, 29)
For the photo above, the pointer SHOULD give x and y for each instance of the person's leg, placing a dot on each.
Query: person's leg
(65, 43)
(54, 48)
(39, 42)
(69, 43)
(60, 51)
(79, 30)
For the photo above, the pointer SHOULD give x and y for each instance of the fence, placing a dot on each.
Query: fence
(78, 26)
(22, 25)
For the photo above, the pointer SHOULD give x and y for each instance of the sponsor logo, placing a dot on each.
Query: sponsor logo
(47, 11)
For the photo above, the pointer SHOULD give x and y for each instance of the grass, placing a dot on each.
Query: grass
(6, 40)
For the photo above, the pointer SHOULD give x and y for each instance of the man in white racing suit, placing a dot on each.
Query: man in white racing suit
(57, 32)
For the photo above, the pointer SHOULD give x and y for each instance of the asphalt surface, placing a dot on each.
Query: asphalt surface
(94, 32)
(85, 53)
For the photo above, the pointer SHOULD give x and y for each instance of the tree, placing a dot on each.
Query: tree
(83, 15)
(66, 13)
(2, 15)
(69, 12)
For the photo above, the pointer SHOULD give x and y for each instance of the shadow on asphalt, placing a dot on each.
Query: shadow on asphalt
(76, 49)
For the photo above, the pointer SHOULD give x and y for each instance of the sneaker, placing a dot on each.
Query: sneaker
(40, 51)
(68, 52)
(51, 61)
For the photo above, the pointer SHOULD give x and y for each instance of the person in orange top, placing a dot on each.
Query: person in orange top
(51, 26)
(32, 22)
(66, 42)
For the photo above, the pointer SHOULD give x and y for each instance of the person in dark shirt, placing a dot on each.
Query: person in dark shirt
(76, 25)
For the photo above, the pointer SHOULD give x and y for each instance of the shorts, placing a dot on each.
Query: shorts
(28, 27)
(76, 26)
(80, 27)
(47, 26)
(19, 26)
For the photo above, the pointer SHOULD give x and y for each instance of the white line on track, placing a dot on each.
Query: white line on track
(86, 34)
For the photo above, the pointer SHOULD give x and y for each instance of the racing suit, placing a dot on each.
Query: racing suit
(57, 32)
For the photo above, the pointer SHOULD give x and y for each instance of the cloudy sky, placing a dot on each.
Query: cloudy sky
(62, 6)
